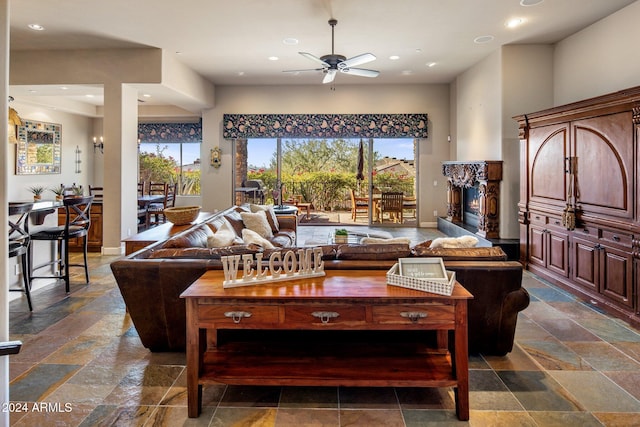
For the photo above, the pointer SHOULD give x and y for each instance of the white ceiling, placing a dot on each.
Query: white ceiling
(229, 42)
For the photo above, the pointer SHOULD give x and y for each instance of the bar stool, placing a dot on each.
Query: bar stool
(19, 242)
(77, 223)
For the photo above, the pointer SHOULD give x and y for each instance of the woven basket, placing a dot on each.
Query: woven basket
(182, 215)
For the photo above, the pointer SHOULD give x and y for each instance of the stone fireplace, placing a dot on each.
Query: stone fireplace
(473, 195)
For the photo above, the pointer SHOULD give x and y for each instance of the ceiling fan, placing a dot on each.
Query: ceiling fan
(333, 63)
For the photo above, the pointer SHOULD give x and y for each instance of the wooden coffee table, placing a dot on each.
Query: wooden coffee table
(323, 308)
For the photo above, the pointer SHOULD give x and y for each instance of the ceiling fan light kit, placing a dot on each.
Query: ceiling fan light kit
(333, 63)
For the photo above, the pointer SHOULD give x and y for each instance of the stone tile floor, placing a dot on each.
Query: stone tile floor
(82, 365)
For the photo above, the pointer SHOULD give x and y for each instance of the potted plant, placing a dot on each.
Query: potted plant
(58, 191)
(37, 191)
(341, 235)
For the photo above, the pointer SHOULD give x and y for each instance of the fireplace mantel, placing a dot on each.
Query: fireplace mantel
(488, 175)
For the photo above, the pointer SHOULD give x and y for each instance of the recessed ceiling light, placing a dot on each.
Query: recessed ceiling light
(89, 95)
(431, 64)
(290, 41)
(514, 22)
(36, 27)
(530, 2)
(273, 58)
(483, 39)
(241, 73)
(394, 57)
(146, 95)
(64, 88)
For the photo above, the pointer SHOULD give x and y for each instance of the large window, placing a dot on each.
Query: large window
(323, 172)
(171, 162)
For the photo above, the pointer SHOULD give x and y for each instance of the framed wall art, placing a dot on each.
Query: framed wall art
(39, 148)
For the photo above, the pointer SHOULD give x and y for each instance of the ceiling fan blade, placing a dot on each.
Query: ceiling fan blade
(357, 60)
(303, 71)
(361, 72)
(315, 59)
(328, 78)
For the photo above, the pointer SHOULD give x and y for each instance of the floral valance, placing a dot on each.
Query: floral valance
(169, 132)
(325, 126)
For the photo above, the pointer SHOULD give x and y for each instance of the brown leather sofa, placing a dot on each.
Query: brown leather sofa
(152, 280)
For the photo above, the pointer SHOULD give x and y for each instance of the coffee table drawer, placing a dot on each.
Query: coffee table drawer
(240, 314)
(324, 314)
(413, 314)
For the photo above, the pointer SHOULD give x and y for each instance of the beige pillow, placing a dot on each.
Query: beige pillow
(376, 240)
(257, 222)
(454, 242)
(271, 215)
(251, 237)
(225, 236)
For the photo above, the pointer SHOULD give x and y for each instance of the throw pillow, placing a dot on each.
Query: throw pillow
(376, 240)
(271, 215)
(225, 236)
(251, 237)
(454, 242)
(257, 222)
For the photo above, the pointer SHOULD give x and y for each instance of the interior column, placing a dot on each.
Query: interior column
(121, 166)
(4, 228)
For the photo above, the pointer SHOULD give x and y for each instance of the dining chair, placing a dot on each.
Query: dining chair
(359, 205)
(391, 203)
(97, 193)
(19, 242)
(141, 188)
(410, 204)
(77, 223)
(157, 209)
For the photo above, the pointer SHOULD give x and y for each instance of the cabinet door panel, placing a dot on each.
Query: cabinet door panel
(616, 275)
(605, 164)
(547, 151)
(557, 251)
(585, 263)
(536, 246)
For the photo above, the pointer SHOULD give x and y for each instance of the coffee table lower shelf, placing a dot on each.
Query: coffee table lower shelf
(279, 364)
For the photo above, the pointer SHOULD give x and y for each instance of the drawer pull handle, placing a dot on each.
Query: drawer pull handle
(325, 316)
(585, 231)
(616, 238)
(237, 315)
(556, 222)
(414, 316)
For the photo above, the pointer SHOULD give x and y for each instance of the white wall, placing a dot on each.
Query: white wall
(600, 59)
(217, 184)
(513, 80)
(479, 111)
(74, 134)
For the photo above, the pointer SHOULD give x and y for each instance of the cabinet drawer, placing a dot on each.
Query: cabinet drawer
(328, 314)
(616, 237)
(410, 314)
(588, 231)
(536, 218)
(241, 314)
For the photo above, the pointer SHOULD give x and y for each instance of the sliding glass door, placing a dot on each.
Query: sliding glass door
(342, 179)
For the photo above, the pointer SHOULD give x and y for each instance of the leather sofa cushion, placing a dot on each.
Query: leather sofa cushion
(204, 253)
(235, 219)
(493, 253)
(328, 251)
(373, 252)
(194, 238)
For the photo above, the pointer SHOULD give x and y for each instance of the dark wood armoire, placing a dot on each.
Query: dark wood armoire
(579, 209)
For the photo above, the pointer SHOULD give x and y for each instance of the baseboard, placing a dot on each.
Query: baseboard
(113, 251)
